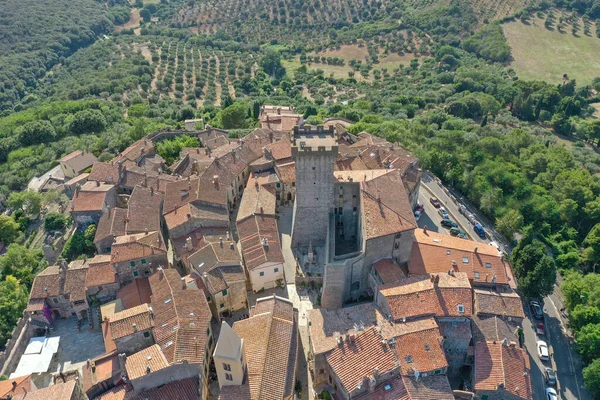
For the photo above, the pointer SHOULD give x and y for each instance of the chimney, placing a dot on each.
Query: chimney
(97, 183)
(265, 242)
(425, 229)
(122, 359)
(148, 369)
(188, 243)
(146, 231)
(160, 270)
(221, 241)
(231, 245)
(183, 285)
(14, 385)
(475, 249)
(512, 344)
(151, 191)
(227, 235)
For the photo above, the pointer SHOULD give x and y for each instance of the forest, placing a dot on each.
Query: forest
(524, 152)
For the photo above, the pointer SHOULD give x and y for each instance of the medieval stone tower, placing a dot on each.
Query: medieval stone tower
(315, 151)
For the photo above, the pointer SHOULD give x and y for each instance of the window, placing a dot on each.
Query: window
(226, 367)
(396, 246)
(341, 196)
(224, 292)
(108, 249)
(461, 309)
(293, 184)
(314, 168)
(135, 273)
(146, 334)
(278, 185)
(208, 298)
(229, 377)
(321, 371)
(488, 265)
(465, 260)
(340, 210)
(484, 397)
(476, 275)
(207, 331)
(222, 305)
(437, 372)
(132, 263)
(261, 274)
(276, 270)
(354, 209)
(398, 235)
(143, 261)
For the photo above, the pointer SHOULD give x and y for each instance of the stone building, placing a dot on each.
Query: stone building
(90, 201)
(76, 162)
(131, 329)
(138, 255)
(314, 152)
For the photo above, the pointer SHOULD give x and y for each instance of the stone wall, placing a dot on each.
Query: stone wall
(15, 346)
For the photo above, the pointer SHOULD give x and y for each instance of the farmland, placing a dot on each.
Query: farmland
(546, 54)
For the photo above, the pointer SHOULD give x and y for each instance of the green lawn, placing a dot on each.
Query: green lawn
(543, 54)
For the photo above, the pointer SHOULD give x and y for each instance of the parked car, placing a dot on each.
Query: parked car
(551, 394)
(550, 376)
(462, 236)
(542, 349)
(417, 215)
(540, 329)
(435, 202)
(479, 231)
(420, 208)
(448, 223)
(462, 209)
(443, 213)
(497, 246)
(456, 231)
(536, 310)
(472, 219)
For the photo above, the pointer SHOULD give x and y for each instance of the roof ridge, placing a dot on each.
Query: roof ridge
(386, 206)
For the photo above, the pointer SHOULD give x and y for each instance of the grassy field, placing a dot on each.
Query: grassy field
(348, 53)
(540, 53)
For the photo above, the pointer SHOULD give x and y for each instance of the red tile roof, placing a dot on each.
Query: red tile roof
(432, 387)
(433, 252)
(90, 200)
(439, 295)
(499, 367)
(386, 209)
(111, 223)
(105, 172)
(498, 303)
(144, 210)
(137, 364)
(252, 233)
(100, 271)
(257, 199)
(136, 293)
(23, 385)
(139, 245)
(47, 283)
(420, 351)
(75, 280)
(388, 271)
(286, 172)
(186, 389)
(365, 354)
(122, 323)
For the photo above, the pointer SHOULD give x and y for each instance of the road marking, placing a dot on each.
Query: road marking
(568, 348)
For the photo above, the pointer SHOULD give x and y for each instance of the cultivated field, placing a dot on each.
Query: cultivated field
(540, 53)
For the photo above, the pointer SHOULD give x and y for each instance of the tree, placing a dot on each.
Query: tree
(28, 201)
(509, 223)
(9, 229)
(234, 116)
(80, 244)
(13, 299)
(22, 263)
(535, 270)
(87, 121)
(270, 62)
(588, 342)
(591, 377)
(35, 132)
(583, 315)
(55, 221)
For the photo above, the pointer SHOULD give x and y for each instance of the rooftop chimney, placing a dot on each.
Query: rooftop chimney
(425, 229)
(148, 369)
(134, 327)
(160, 270)
(231, 245)
(14, 385)
(188, 243)
(183, 285)
(221, 241)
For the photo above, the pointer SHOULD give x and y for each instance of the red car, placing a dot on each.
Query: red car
(420, 208)
(435, 202)
(539, 329)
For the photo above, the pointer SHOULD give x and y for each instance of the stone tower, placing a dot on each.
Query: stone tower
(315, 151)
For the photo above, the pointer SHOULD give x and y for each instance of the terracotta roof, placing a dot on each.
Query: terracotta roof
(75, 280)
(111, 223)
(498, 303)
(89, 200)
(349, 163)
(79, 160)
(35, 305)
(494, 328)
(505, 366)
(23, 384)
(392, 389)
(281, 150)
(213, 254)
(56, 391)
(214, 182)
(193, 212)
(236, 392)
(420, 351)
(181, 317)
(431, 387)
(271, 348)
(122, 323)
(388, 271)
(81, 178)
(216, 142)
(386, 209)
(144, 210)
(137, 364)
(179, 193)
(136, 176)
(439, 295)
(360, 357)
(47, 283)
(219, 278)
(257, 199)
(286, 172)
(100, 271)
(105, 172)
(131, 247)
(279, 122)
(252, 233)
(142, 147)
(434, 252)
(101, 369)
(185, 389)
(136, 293)
(360, 175)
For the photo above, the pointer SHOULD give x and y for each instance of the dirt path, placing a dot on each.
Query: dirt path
(134, 21)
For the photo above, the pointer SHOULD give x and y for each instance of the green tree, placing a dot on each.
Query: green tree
(9, 229)
(583, 315)
(535, 270)
(35, 132)
(87, 121)
(509, 223)
(234, 116)
(270, 62)
(28, 201)
(169, 149)
(55, 221)
(591, 377)
(588, 342)
(80, 244)
(13, 299)
(21, 263)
